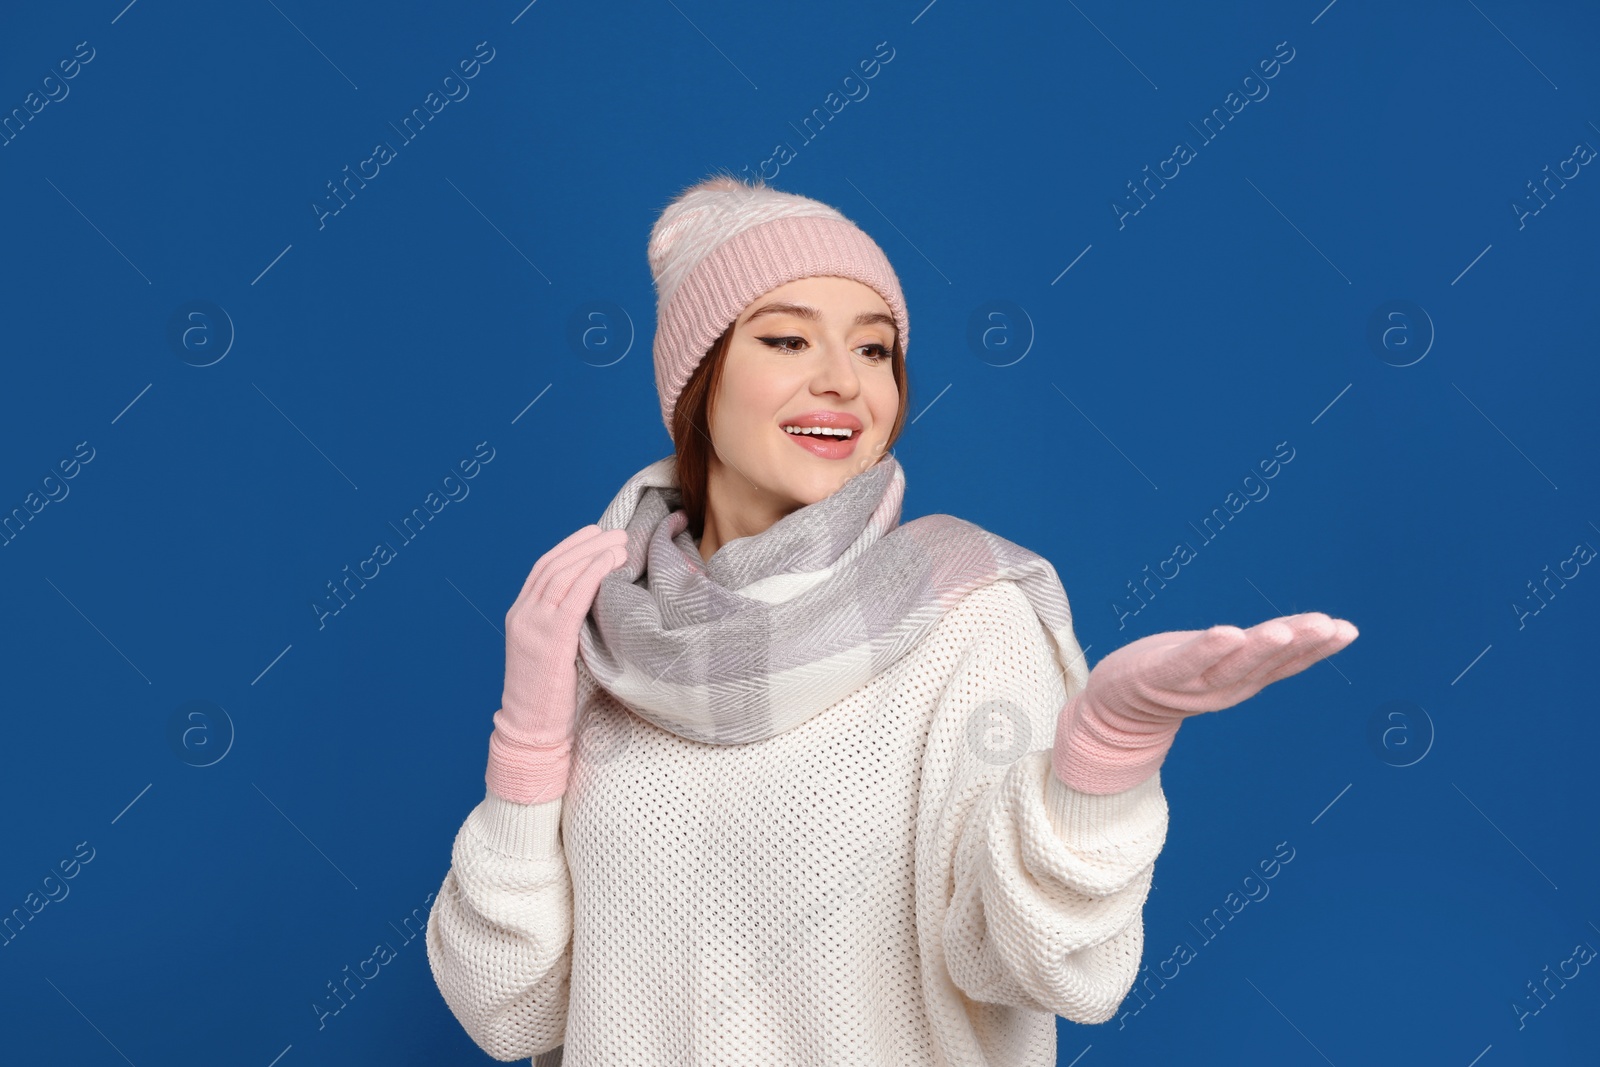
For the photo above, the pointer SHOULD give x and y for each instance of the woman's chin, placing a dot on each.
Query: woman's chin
(806, 487)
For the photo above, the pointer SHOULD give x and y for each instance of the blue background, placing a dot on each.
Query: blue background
(1433, 780)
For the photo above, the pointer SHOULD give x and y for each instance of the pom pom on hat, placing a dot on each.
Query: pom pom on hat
(723, 242)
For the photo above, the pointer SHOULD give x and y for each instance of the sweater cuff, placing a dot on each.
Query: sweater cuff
(526, 831)
(1079, 816)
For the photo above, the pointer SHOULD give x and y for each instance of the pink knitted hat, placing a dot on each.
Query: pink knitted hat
(723, 242)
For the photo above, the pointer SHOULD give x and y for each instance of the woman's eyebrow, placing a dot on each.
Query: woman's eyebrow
(803, 311)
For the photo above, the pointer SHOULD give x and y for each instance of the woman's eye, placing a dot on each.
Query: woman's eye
(780, 343)
(882, 353)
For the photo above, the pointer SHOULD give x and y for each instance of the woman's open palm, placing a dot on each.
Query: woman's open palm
(1115, 732)
(1186, 672)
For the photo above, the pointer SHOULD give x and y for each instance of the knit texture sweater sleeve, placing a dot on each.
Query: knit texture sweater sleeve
(500, 931)
(1030, 894)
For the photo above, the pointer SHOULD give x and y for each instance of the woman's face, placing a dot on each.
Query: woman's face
(807, 350)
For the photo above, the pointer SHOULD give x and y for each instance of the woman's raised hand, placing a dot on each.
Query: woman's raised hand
(1116, 732)
(530, 748)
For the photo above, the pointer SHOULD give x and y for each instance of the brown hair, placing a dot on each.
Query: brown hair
(691, 424)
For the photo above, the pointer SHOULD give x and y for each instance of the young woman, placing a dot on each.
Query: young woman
(778, 779)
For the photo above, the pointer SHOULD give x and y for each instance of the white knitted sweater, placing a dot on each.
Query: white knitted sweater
(900, 880)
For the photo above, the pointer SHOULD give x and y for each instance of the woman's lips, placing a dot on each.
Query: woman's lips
(826, 447)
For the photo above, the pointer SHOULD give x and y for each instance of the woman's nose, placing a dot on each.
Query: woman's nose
(836, 372)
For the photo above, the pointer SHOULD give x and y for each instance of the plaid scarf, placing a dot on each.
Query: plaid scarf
(778, 626)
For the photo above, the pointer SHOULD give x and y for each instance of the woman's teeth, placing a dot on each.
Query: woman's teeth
(818, 431)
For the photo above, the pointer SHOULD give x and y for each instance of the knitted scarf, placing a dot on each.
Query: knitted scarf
(778, 626)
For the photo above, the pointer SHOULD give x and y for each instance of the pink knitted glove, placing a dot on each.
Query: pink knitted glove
(531, 746)
(1116, 731)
